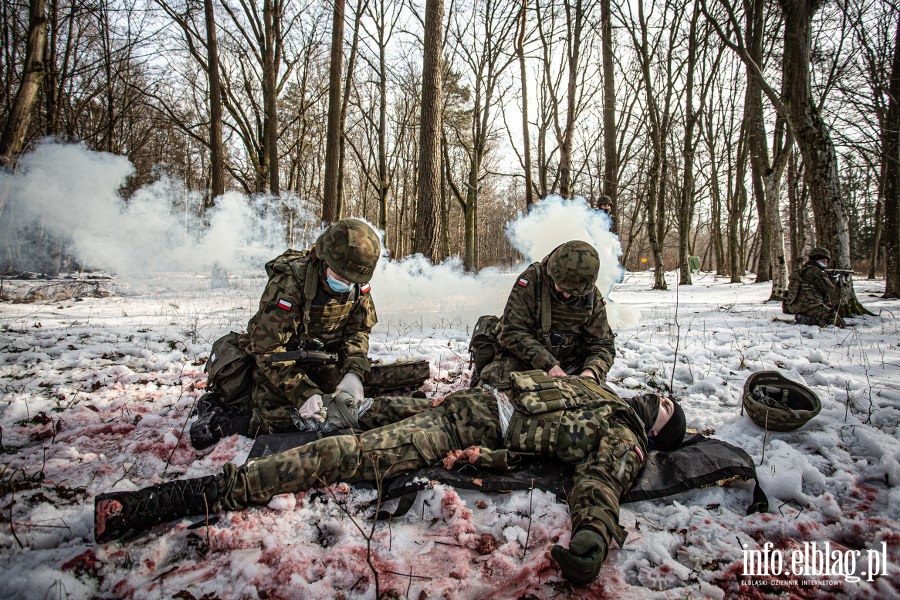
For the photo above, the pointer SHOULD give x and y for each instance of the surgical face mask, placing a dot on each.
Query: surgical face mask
(822, 264)
(338, 286)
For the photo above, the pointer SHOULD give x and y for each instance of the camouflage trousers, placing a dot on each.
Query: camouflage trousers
(821, 316)
(464, 419)
(601, 482)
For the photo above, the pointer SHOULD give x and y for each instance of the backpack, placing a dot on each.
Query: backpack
(791, 294)
(484, 345)
(230, 370)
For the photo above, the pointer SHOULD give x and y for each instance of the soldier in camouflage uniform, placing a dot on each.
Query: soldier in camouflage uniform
(317, 299)
(574, 419)
(555, 319)
(812, 296)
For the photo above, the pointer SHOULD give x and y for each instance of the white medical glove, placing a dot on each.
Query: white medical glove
(352, 384)
(313, 409)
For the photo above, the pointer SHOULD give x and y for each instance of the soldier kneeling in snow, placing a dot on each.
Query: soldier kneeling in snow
(316, 300)
(574, 419)
(812, 297)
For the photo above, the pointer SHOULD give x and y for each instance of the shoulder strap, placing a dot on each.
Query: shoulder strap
(310, 287)
(545, 308)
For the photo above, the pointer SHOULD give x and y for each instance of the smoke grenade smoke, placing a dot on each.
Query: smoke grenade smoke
(75, 194)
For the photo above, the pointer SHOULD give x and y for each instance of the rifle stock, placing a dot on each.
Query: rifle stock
(305, 356)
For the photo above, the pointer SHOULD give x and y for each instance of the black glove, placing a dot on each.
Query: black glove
(580, 562)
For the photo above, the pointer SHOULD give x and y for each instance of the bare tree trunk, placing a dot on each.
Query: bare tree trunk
(351, 62)
(272, 20)
(330, 200)
(610, 152)
(890, 162)
(766, 175)
(686, 201)
(737, 204)
(574, 24)
(815, 144)
(526, 136)
(429, 181)
(12, 141)
(216, 148)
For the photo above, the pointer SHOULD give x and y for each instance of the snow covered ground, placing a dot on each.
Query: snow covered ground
(96, 393)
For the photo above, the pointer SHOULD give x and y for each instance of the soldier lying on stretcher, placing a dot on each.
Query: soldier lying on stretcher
(574, 419)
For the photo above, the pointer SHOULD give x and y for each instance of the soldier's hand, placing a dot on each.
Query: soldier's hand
(588, 373)
(556, 371)
(580, 562)
(313, 409)
(353, 385)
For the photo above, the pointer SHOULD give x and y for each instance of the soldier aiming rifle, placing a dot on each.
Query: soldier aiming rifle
(813, 295)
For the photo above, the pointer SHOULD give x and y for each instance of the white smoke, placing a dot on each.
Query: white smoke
(412, 290)
(553, 221)
(74, 193)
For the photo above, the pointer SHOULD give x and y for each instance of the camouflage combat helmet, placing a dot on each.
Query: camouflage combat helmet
(777, 403)
(573, 266)
(819, 253)
(351, 248)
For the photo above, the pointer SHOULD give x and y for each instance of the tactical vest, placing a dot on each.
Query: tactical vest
(563, 418)
(324, 315)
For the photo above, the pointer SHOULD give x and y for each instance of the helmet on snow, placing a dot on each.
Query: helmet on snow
(351, 249)
(573, 266)
(776, 403)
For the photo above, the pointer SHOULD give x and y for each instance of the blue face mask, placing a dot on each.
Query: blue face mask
(338, 286)
(821, 264)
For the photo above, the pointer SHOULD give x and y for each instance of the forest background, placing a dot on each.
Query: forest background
(739, 133)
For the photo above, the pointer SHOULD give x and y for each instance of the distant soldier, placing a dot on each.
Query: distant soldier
(605, 204)
(573, 419)
(316, 299)
(555, 320)
(812, 297)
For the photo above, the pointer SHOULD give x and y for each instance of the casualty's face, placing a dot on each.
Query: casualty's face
(666, 410)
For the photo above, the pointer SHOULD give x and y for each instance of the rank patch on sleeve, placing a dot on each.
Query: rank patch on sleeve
(364, 288)
(522, 282)
(284, 304)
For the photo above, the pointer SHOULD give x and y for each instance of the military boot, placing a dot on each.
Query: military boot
(209, 402)
(217, 424)
(119, 513)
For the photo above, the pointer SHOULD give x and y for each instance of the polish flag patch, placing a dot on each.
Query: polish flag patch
(639, 453)
(284, 304)
(364, 288)
(522, 282)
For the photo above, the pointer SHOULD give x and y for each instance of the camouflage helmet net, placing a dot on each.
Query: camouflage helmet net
(573, 266)
(778, 404)
(351, 248)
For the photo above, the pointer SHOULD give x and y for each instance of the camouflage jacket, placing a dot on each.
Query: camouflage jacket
(579, 329)
(341, 321)
(582, 421)
(816, 293)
